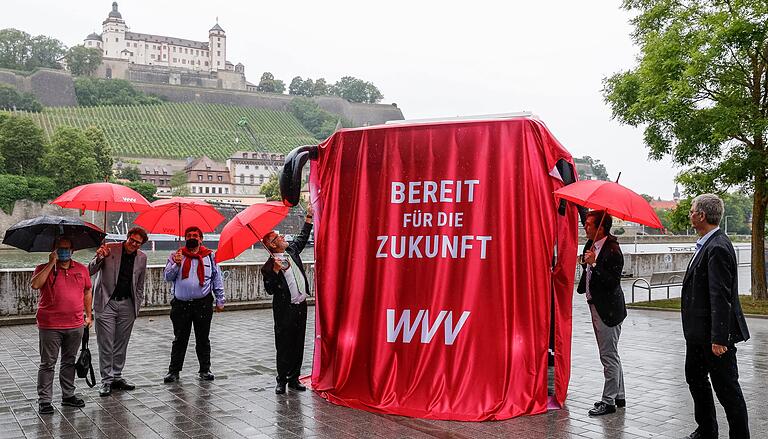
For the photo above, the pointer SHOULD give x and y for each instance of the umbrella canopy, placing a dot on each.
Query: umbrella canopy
(107, 197)
(38, 234)
(248, 227)
(173, 215)
(614, 198)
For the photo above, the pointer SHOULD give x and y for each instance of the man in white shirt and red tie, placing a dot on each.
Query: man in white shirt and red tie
(602, 264)
(286, 282)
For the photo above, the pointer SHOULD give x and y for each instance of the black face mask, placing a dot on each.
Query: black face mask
(192, 244)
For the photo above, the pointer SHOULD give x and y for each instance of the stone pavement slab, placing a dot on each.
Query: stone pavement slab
(241, 402)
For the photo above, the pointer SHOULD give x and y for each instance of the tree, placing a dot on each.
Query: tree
(41, 189)
(83, 61)
(12, 188)
(700, 90)
(70, 161)
(271, 188)
(321, 87)
(295, 87)
(21, 51)
(101, 150)
(130, 173)
(92, 92)
(269, 84)
(308, 88)
(316, 120)
(147, 190)
(23, 143)
(597, 168)
(178, 184)
(356, 90)
(10, 99)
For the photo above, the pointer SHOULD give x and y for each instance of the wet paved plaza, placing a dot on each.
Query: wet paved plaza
(241, 402)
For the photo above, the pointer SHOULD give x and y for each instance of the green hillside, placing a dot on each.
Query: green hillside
(180, 130)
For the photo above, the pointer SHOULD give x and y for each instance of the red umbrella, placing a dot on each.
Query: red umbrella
(108, 197)
(614, 198)
(248, 227)
(171, 216)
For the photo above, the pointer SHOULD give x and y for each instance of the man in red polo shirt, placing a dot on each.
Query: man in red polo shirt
(65, 292)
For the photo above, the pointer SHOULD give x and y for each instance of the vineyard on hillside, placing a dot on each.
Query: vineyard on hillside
(181, 130)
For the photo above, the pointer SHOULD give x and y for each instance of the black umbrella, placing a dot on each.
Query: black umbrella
(38, 234)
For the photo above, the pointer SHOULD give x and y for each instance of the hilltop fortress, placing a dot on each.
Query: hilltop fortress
(180, 70)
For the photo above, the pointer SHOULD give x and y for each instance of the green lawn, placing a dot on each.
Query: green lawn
(748, 304)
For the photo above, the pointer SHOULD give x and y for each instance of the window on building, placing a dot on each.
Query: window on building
(210, 177)
(251, 179)
(175, 60)
(194, 189)
(152, 181)
(134, 44)
(146, 46)
(183, 61)
(219, 178)
(218, 44)
(247, 167)
(206, 63)
(218, 39)
(206, 190)
(261, 179)
(242, 179)
(218, 53)
(219, 190)
(152, 56)
(117, 40)
(199, 177)
(218, 63)
(163, 56)
(90, 43)
(174, 48)
(198, 62)
(144, 180)
(226, 190)
(185, 50)
(197, 52)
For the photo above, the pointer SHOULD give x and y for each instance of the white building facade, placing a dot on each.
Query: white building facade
(118, 43)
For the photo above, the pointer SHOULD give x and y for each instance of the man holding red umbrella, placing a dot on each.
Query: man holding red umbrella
(602, 264)
(196, 280)
(286, 282)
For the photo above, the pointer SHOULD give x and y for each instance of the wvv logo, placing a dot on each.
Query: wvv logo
(428, 331)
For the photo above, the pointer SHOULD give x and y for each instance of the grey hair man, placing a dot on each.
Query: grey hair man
(713, 323)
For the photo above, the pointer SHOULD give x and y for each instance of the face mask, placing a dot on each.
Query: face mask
(64, 254)
(192, 244)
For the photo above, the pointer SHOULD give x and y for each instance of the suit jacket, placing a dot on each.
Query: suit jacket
(710, 306)
(605, 282)
(107, 271)
(275, 283)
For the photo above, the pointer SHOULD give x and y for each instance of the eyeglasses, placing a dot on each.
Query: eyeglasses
(272, 241)
(135, 242)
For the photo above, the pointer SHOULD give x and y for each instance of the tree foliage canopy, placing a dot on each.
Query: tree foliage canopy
(356, 90)
(83, 61)
(21, 51)
(23, 144)
(316, 120)
(11, 99)
(700, 92)
(92, 92)
(268, 84)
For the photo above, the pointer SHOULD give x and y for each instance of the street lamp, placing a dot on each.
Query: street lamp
(726, 224)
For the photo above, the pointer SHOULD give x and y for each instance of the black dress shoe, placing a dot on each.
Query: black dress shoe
(602, 409)
(73, 401)
(171, 377)
(696, 435)
(46, 408)
(619, 403)
(280, 388)
(122, 384)
(106, 389)
(296, 385)
(206, 376)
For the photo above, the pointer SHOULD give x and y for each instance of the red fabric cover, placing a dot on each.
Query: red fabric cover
(201, 253)
(496, 366)
(61, 304)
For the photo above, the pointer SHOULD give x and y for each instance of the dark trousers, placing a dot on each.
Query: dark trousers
(185, 315)
(700, 365)
(290, 328)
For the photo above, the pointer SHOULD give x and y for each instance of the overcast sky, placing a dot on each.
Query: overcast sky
(433, 58)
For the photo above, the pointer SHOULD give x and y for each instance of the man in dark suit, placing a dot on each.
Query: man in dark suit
(120, 269)
(602, 263)
(713, 323)
(286, 282)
